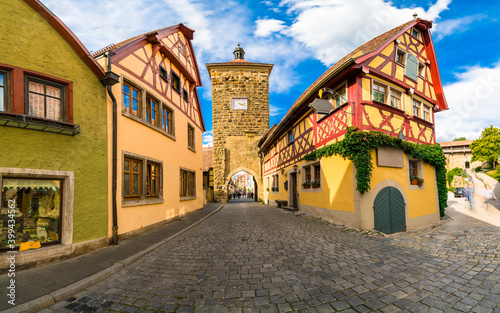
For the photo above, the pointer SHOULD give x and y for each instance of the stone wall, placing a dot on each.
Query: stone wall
(237, 132)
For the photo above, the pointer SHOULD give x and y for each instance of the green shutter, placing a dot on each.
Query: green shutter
(412, 67)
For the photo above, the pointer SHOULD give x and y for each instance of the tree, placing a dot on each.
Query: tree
(460, 139)
(487, 147)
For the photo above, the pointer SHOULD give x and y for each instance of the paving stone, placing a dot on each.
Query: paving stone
(240, 261)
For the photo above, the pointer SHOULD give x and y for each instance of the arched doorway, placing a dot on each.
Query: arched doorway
(389, 211)
(242, 187)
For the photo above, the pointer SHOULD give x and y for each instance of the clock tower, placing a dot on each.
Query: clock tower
(240, 114)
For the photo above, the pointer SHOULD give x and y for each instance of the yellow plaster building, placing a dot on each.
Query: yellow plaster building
(390, 84)
(159, 128)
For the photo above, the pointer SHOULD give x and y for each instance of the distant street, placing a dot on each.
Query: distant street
(251, 257)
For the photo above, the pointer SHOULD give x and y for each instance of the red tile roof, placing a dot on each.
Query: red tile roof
(455, 143)
(208, 158)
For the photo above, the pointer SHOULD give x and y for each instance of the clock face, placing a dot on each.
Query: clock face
(239, 103)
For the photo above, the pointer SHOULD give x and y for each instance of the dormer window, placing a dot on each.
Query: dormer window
(415, 33)
(421, 70)
(401, 57)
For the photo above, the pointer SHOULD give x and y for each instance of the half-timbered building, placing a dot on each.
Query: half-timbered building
(159, 128)
(390, 84)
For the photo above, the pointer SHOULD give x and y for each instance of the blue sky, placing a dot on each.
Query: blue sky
(302, 38)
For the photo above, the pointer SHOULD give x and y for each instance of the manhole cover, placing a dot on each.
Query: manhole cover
(444, 237)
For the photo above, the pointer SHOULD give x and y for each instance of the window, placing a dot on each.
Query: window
(312, 176)
(181, 48)
(426, 113)
(415, 33)
(166, 119)
(413, 168)
(132, 178)
(44, 99)
(151, 110)
(307, 177)
(340, 96)
(276, 183)
(187, 183)
(289, 136)
(396, 99)
(421, 70)
(191, 137)
(4, 91)
(163, 74)
(153, 180)
(34, 204)
(412, 67)
(131, 99)
(416, 108)
(401, 57)
(176, 82)
(379, 92)
(185, 94)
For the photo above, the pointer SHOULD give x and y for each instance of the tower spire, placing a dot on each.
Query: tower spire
(239, 53)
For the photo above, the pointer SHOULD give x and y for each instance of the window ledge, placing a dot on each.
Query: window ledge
(188, 198)
(143, 122)
(37, 123)
(192, 149)
(131, 203)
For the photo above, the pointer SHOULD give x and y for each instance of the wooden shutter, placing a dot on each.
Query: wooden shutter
(412, 67)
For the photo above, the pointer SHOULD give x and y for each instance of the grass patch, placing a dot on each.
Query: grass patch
(494, 174)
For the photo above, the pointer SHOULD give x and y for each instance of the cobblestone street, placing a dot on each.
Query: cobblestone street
(250, 257)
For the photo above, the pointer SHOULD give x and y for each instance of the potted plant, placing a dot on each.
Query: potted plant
(316, 183)
(415, 180)
(306, 184)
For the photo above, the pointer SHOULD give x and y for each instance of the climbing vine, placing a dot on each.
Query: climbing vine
(357, 147)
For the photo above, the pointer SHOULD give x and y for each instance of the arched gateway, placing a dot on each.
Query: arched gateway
(240, 114)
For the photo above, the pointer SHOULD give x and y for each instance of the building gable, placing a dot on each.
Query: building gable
(164, 61)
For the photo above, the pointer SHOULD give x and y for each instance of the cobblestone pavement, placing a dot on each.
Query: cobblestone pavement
(253, 258)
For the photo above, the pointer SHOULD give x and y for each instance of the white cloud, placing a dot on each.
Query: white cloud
(275, 111)
(473, 104)
(327, 27)
(208, 139)
(266, 27)
(449, 27)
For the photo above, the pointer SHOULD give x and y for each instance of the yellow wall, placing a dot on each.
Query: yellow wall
(140, 139)
(421, 200)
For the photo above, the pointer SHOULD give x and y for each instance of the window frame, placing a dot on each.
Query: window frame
(180, 46)
(163, 73)
(415, 33)
(146, 110)
(176, 82)
(185, 94)
(380, 85)
(165, 107)
(403, 53)
(422, 69)
(289, 137)
(6, 91)
(144, 198)
(395, 91)
(131, 99)
(131, 174)
(191, 134)
(149, 179)
(315, 173)
(45, 82)
(388, 96)
(275, 187)
(150, 112)
(416, 170)
(187, 184)
(419, 106)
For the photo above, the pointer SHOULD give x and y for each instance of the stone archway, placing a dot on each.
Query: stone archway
(256, 177)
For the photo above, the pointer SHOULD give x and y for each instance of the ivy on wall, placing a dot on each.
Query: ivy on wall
(357, 146)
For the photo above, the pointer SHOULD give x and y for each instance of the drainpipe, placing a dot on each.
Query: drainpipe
(109, 81)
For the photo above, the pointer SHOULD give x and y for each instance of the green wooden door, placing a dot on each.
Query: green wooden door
(389, 210)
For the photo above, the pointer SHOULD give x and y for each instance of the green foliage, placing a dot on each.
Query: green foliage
(357, 147)
(457, 171)
(487, 148)
(460, 139)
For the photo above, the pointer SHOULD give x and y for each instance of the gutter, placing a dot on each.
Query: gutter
(111, 79)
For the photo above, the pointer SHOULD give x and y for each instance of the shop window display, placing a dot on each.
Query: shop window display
(37, 214)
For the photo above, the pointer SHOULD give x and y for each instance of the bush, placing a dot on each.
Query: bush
(457, 171)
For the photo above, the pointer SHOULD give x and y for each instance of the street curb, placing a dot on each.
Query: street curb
(52, 298)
